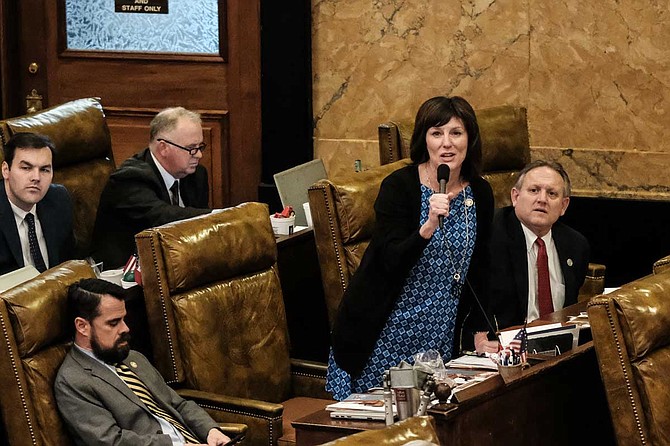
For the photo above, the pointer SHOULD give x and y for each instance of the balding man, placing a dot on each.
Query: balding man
(538, 263)
(161, 184)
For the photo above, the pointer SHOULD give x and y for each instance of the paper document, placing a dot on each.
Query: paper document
(16, 277)
(472, 362)
(507, 335)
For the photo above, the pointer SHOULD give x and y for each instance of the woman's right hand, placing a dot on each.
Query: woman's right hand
(438, 204)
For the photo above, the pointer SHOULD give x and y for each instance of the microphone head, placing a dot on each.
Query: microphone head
(443, 172)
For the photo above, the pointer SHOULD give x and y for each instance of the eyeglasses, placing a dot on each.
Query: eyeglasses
(191, 150)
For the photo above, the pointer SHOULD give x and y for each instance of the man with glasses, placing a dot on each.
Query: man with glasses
(161, 184)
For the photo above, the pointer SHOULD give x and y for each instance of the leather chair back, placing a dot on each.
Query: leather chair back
(217, 320)
(631, 335)
(83, 157)
(505, 146)
(36, 336)
(214, 303)
(343, 218)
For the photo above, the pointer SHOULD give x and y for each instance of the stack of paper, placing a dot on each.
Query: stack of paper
(360, 406)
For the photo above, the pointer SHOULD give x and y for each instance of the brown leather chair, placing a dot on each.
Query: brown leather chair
(36, 336)
(505, 146)
(631, 335)
(35, 340)
(83, 157)
(217, 321)
(343, 219)
(420, 429)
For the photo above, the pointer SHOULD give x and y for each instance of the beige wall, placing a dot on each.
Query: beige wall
(594, 76)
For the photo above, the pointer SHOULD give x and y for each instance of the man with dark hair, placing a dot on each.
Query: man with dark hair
(35, 215)
(538, 264)
(110, 394)
(161, 184)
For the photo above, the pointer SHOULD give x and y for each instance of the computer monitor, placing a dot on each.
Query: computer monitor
(292, 185)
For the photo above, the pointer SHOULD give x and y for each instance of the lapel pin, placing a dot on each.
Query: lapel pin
(569, 262)
(469, 202)
(133, 364)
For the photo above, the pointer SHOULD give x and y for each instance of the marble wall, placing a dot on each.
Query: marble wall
(594, 77)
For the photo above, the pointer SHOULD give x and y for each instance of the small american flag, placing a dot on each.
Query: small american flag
(520, 343)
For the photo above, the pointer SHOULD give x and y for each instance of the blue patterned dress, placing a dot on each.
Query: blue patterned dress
(424, 315)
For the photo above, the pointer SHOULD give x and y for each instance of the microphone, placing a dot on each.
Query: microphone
(443, 178)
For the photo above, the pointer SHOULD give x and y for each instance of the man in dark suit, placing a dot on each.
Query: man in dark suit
(539, 197)
(35, 215)
(161, 184)
(107, 393)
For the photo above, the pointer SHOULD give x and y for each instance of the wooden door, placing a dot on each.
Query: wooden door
(134, 86)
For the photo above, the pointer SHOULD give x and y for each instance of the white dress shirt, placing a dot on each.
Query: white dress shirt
(168, 179)
(22, 226)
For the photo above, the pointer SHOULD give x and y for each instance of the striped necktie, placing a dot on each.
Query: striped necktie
(143, 393)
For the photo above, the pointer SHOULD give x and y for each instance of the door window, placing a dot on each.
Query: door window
(189, 26)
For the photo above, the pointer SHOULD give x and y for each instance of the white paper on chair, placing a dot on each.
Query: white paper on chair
(16, 277)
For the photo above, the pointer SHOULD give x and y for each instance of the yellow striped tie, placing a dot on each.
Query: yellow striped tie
(143, 393)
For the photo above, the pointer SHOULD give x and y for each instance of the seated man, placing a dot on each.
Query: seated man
(161, 184)
(35, 215)
(109, 394)
(538, 264)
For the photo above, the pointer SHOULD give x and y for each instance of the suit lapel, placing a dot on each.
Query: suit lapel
(518, 254)
(564, 257)
(105, 374)
(9, 229)
(165, 194)
(48, 216)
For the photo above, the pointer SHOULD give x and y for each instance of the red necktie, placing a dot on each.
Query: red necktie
(544, 301)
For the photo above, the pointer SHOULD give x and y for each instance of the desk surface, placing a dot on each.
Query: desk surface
(555, 402)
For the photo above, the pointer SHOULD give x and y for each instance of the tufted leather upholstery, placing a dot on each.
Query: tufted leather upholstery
(35, 340)
(217, 321)
(343, 218)
(505, 146)
(631, 335)
(397, 434)
(82, 160)
(662, 264)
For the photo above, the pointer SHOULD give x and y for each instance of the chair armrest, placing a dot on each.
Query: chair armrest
(308, 378)
(223, 404)
(264, 420)
(662, 264)
(594, 283)
(233, 429)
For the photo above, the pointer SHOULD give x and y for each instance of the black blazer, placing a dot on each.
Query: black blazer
(509, 266)
(55, 214)
(394, 249)
(135, 198)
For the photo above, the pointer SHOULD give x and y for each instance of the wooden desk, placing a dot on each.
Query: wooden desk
(558, 401)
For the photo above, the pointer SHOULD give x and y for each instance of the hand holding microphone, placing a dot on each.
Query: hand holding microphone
(443, 178)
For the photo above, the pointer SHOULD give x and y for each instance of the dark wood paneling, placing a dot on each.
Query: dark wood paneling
(244, 98)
